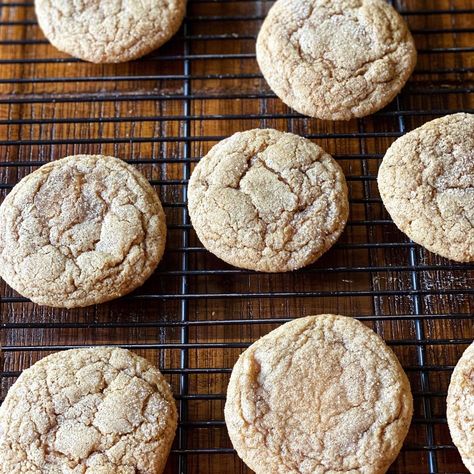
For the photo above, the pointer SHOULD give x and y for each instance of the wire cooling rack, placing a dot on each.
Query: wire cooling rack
(196, 314)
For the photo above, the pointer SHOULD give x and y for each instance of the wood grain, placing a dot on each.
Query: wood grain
(163, 113)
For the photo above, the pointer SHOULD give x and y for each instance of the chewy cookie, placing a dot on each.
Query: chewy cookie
(426, 181)
(268, 201)
(109, 31)
(80, 231)
(460, 406)
(336, 59)
(97, 410)
(319, 394)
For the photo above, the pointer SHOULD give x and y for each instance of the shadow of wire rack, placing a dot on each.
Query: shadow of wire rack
(196, 314)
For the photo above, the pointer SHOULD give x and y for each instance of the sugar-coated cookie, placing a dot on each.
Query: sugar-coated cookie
(460, 407)
(96, 410)
(267, 200)
(335, 59)
(109, 31)
(319, 394)
(79, 231)
(426, 182)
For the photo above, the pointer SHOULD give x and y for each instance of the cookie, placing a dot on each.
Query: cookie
(426, 181)
(335, 59)
(80, 231)
(99, 410)
(267, 200)
(460, 406)
(319, 394)
(109, 31)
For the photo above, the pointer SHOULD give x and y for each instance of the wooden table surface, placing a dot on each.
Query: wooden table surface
(196, 314)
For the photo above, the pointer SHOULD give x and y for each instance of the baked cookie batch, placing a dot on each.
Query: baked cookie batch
(319, 394)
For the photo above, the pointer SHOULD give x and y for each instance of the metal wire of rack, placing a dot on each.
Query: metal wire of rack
(196, 314)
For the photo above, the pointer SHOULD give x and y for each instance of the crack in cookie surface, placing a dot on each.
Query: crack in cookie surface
(103, 31)
(318, 395)
(79, 231)
(268, 200)
(336, 59)
(426, 181)
(88, 411)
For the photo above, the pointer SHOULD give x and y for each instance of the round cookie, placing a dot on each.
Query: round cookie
(336, 59)
(268, 201)
(319, 394)
(79, 231)
(97, 410)
(460, 407)
(426, 181)
(109, 31)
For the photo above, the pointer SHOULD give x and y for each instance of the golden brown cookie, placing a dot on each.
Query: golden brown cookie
(99, 410)
(109, 31)
(460, 407)
(80, 231)
(426, 181)
(319, 394)
(268, 201)
(335, 59)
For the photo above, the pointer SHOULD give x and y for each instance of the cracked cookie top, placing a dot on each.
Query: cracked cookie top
(335, 59)
(267, 200)
(109, 31)
(460, 407)
(426, 181)
(99, 410)
(79, 231)
(320, 394)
